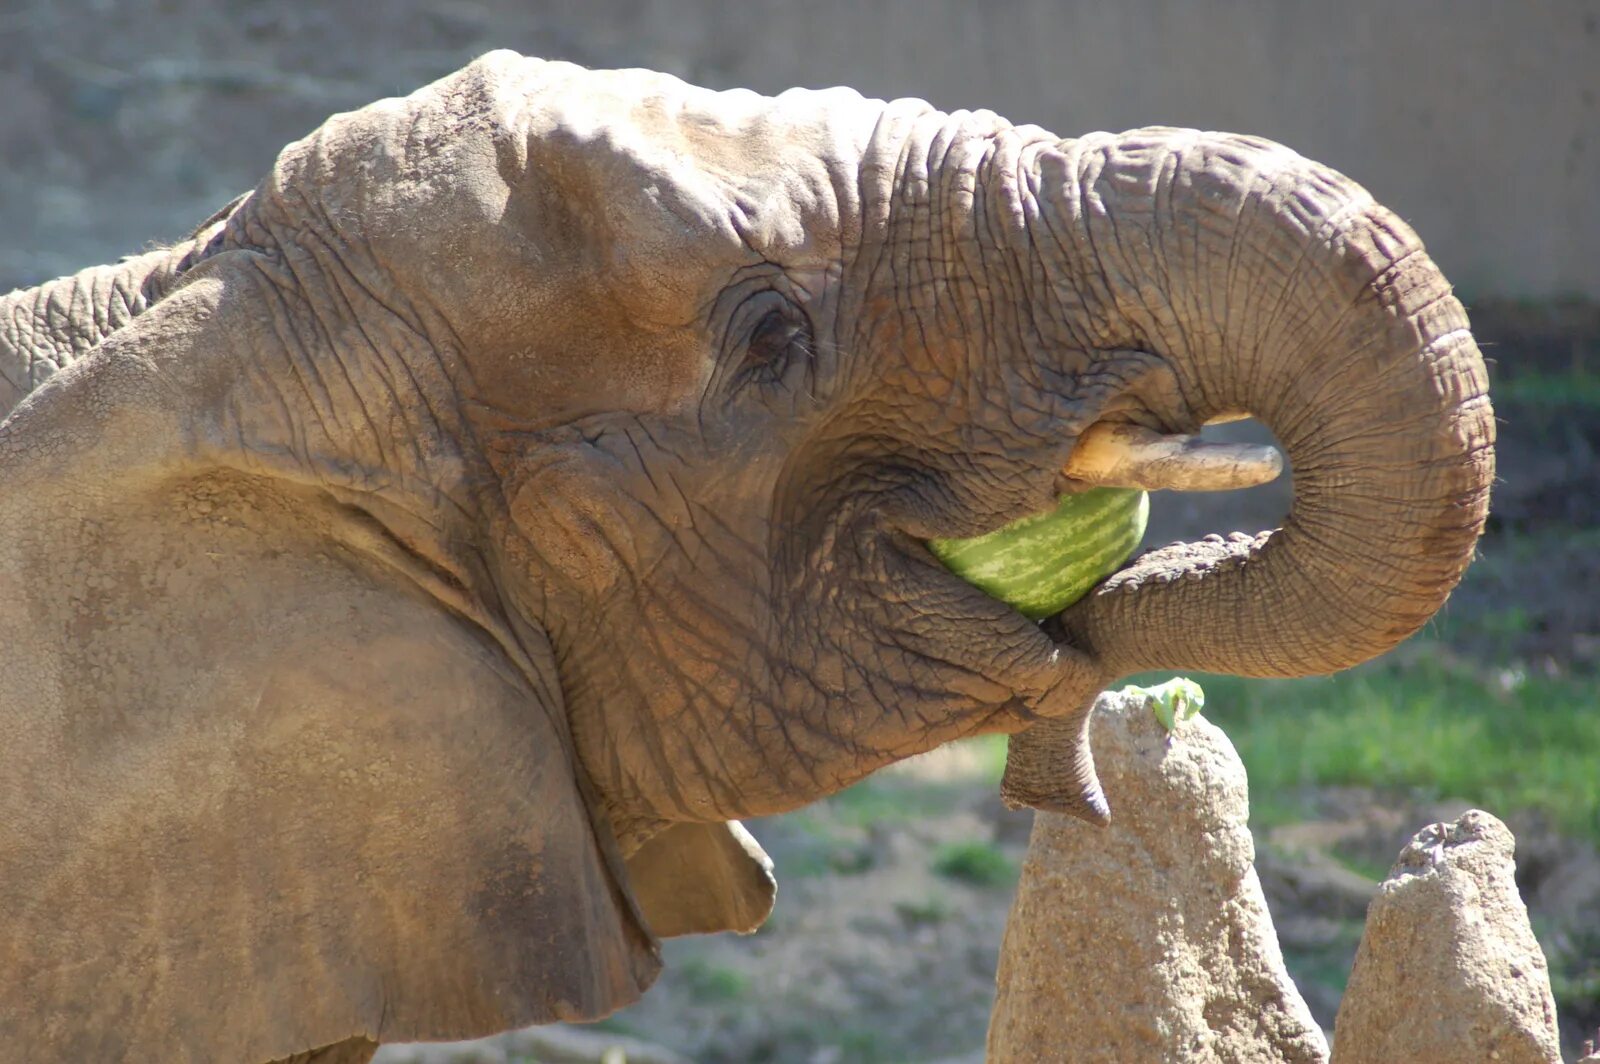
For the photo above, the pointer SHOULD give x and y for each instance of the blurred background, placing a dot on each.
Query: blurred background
(129, 121)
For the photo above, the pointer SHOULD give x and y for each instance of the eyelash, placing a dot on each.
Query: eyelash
(780, 338)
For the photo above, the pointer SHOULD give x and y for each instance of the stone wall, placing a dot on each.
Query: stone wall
(1477, 120)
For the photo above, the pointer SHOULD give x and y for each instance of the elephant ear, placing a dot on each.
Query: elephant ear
(259, 794)
(696, 879)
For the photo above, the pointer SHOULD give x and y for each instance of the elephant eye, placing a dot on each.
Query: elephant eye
(779, 343)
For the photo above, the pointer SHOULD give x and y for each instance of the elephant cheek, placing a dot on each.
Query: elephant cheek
(567, 528)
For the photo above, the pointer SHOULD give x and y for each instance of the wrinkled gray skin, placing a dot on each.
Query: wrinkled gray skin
(404, 581)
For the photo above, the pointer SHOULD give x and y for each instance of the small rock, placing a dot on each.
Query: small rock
(1448, 969)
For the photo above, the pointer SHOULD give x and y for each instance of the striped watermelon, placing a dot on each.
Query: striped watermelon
(1040, 565)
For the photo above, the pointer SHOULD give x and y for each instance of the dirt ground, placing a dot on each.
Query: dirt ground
(880, 952)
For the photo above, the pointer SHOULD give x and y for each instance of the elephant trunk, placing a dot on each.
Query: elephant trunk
(1275, 287)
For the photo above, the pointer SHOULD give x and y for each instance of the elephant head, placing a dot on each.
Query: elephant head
(532, 476)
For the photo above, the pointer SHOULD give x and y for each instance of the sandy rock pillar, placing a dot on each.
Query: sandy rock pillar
(1149, 940)
(1448, 969)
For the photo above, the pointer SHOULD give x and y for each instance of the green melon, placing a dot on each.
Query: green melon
(1040, 565)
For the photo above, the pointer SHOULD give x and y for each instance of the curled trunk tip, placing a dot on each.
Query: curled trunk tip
(1289, 294)
(1051, 767)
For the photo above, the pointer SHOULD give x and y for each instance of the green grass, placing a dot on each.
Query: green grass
(1578, 387)
(712, 983)
(892, 800)
(804, 1038)
(824, 846)
(979, 863)
(1499, 738)
(1574, 970)
(1432, 722)
(866, 1045)
(1328, 964)
(835, 836)
(923, 912)
(993, 757)
(1438, 725)
(1362, 864)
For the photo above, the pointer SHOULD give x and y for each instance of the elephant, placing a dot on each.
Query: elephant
(409, 581)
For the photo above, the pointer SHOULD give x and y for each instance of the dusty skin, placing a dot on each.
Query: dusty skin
(529, 477)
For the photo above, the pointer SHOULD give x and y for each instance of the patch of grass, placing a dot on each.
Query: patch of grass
(923, 912)
(1575, 974)
(866, 1045)
(1503, 739)
(712, 983)
(1503, 624)
(833, 836)
(992, 755)
(1578, 387)
(823, 847)
(889, 800)
(892, 798)
(1577, 987)
(979, 863)
(805, 1038)
(1326, 965)
(1364, 865)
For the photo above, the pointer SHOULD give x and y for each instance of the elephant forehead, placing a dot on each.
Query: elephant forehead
(776, 177)
(658, 190)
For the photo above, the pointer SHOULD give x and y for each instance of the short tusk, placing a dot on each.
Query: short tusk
(1130, 456)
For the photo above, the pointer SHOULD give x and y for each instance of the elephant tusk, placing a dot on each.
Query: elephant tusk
(1130, 456)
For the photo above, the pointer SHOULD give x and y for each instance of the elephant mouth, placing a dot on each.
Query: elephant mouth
(1121, 456)
(967, 632)
(1124, 456)
(1057, 560)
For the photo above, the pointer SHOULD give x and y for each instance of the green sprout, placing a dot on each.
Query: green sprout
(1179, 699)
